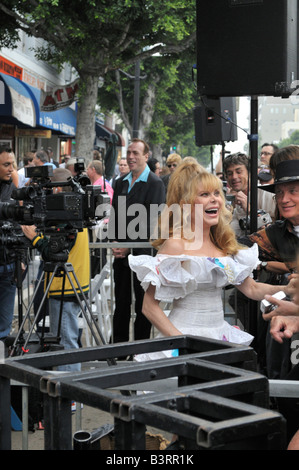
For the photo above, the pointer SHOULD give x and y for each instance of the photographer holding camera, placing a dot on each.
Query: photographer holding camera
(7, 254)
(78, 247)
(236, 171)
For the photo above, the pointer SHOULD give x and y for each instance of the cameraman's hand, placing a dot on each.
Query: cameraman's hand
(29, 231)
(284, 308)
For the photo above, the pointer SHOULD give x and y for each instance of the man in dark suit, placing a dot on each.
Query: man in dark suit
(142, 188)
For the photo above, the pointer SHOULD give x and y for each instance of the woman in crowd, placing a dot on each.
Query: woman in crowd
(198, 257)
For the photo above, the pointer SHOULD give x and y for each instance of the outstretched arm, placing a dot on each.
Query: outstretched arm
(153, 312)
(257, 290)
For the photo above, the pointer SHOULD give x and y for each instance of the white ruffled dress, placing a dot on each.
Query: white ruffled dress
(194, 286)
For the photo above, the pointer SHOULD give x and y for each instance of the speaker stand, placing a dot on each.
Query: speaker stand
(253, 138)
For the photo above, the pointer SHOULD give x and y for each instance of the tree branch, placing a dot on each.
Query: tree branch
(119, 96)
(124, 41)
(160, 49)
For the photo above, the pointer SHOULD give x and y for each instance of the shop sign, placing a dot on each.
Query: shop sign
(22, 108)
(33, 80)
(47, 121)
(59, 97)
(35, 133)
(9, 68)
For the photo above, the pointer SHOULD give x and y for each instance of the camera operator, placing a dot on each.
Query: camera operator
(236, 171)
(7, 254)
(78, 246)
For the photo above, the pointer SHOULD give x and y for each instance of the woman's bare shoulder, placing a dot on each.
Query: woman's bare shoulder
(172, 246)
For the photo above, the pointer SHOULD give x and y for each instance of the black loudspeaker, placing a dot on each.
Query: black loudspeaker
(215, 121)
(246, 47)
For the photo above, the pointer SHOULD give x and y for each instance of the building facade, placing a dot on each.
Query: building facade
(278, 118)
(23, 126)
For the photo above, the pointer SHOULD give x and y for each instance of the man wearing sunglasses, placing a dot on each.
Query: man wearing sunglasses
(172, 162)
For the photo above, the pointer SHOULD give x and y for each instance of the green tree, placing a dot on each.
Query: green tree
(167, 97)
(98, 36)
(292, 140)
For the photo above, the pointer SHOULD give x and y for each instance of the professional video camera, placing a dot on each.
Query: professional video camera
(11, 235)
(79, 168)
(75, 209)
(263, 219)
(58, 216)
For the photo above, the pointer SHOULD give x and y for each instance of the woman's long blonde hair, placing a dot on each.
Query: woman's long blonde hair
(182, 190)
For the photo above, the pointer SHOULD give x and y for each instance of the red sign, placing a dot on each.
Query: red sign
(9, 68)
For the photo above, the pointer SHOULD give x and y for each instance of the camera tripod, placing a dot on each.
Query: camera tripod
(65, 270)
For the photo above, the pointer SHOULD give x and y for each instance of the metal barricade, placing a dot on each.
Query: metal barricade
(107, 246)
(209, 395)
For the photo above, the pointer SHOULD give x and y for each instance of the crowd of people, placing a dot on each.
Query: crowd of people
(202, 245)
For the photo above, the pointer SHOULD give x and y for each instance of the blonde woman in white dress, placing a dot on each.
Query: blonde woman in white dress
(192, 266)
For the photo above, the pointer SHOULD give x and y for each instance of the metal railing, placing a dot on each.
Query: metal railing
(223, 371)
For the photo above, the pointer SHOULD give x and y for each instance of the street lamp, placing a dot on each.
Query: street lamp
(137, 78)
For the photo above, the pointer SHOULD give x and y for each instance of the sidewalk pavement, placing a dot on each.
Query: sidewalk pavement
(91, 419)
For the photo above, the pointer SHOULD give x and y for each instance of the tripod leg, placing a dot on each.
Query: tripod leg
(39, 310)
(40, 307)
(66, 268)
(90, 321)
(19, 281)
(61, 306)
(19, 337)
(36, 316)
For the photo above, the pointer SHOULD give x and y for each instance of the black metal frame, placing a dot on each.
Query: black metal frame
(208, 371)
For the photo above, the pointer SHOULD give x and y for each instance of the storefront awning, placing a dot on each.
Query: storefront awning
(19, 105)
(63, 120)
(105, 133)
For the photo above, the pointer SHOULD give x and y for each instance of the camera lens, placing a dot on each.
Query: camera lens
(9, 211)
(23, 194)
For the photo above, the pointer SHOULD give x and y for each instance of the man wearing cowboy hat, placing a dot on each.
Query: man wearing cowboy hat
(281, 237)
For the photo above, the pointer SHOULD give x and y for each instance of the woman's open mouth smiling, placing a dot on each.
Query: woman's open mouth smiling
(212, 211)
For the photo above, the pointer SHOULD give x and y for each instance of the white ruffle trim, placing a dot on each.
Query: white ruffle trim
(176, 276)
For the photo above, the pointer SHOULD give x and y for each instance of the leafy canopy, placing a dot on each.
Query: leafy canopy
(96, 36)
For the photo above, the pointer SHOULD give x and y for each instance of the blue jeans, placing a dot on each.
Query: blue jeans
(7, 299)
(69, 330)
